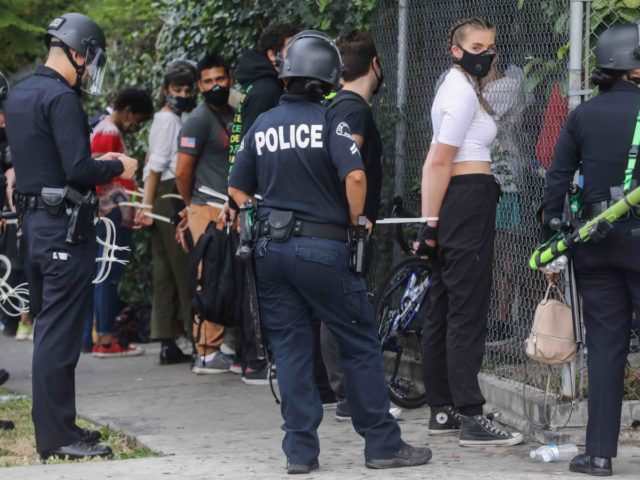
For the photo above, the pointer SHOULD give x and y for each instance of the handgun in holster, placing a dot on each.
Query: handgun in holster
(83, 210)
(358, 245)
(246, 217)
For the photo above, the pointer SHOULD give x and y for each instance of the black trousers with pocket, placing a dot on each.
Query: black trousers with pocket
(608, 278)
(60, 290)
(454, 333)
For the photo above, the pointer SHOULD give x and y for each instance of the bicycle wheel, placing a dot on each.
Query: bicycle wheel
(400, 311)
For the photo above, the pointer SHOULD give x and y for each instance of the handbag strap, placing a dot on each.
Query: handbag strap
(557, 289)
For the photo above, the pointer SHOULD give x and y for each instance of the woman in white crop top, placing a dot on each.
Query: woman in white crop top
(459, 196)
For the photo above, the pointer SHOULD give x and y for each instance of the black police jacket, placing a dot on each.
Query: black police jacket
(48, 133)
(595, 139)
(296, 156)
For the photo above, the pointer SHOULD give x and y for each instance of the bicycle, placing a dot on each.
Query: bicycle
(400, 310)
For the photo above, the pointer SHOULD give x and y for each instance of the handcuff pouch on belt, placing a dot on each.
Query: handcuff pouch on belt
(54, 200)
(281, 224)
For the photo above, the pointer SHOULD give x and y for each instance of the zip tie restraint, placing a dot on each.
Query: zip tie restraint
(13, 301)
(109, 249)
(213, 193)
(387, 221)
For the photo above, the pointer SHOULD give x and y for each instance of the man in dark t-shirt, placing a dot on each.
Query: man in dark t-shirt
(362, 79)
(203, 156)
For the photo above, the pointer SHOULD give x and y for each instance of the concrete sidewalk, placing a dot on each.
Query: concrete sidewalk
(217, 427)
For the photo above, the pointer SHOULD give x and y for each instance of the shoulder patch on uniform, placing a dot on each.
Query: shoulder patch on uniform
(344, 131)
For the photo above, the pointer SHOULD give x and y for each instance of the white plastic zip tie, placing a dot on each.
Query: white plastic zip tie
(212, 193)
(13, 301)
(134, 205)
(172, 195)
(132, 192)
(389, 221)
(109, 248)
(155, 216)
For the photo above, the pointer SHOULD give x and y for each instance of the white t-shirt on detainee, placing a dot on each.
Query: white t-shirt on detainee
(163, 145)
(460, 121)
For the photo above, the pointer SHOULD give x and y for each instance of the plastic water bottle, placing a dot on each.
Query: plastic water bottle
(554, 453)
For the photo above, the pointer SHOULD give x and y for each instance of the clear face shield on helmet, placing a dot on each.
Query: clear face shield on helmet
(96, 66)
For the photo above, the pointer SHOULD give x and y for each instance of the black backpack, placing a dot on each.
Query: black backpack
(216, 289)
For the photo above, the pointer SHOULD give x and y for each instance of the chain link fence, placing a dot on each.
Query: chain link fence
(530, 96)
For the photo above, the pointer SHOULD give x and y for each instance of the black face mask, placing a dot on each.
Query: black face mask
(3, 135)
(476, 64)
(217, 97)
(635, 80)
(181, 104)
(380, 79)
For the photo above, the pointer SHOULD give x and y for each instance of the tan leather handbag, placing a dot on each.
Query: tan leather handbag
(552, 339)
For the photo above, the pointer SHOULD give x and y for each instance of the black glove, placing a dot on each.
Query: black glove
(427, 233)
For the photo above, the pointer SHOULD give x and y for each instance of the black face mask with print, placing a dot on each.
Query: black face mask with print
(181, 104)
(476, 64)
(217, 97)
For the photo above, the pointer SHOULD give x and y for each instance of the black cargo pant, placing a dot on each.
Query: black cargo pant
(454, 333)
(60, 290)
(608, 278)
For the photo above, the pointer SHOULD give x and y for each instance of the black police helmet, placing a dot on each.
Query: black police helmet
(311, 54)
(618, 47)
(77, 31)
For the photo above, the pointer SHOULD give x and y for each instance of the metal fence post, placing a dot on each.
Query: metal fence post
(576, 92)
(401, 128)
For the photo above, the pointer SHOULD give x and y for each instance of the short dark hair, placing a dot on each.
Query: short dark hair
(179, 73)
(139, 102)
(212, 60)
(357, 50)
(273, 37)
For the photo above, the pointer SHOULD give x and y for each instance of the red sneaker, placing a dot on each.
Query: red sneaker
(116, 350)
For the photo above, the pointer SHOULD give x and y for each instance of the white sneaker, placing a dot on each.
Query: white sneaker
(396, 412)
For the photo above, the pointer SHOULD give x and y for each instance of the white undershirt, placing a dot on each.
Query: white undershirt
(460, 121)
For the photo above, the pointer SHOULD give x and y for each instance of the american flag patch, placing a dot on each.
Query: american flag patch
(187, 142)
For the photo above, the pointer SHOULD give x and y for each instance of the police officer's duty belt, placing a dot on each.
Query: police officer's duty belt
(302, 228)
(593, 209)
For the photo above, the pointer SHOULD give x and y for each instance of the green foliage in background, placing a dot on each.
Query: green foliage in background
(143, 36)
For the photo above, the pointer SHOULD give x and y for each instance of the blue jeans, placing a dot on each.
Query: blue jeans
(105, 294)
(309, 276)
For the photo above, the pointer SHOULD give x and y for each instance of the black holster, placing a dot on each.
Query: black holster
(83, 210)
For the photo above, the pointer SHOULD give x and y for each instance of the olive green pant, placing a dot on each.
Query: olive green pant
(171, 298)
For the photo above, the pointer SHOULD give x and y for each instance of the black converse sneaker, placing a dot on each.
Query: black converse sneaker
(478, 430)
(444, 421)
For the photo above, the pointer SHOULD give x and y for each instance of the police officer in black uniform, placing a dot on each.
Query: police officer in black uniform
(49, 138)
(597, 139)
(301, 158)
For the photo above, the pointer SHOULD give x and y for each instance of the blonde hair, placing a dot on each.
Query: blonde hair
(457, 34)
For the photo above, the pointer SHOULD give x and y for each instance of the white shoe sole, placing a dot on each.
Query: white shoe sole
(516, 439)
(258, 382)
(451, 431)
(137, 353)
(208, 371)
